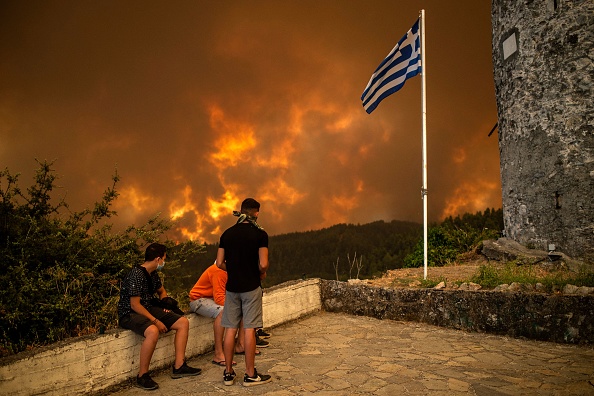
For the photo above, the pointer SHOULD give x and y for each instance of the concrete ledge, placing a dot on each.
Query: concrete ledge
(557, 318)
(93, 363)
(290, 301)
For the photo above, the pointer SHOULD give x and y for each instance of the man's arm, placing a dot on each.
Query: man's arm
(221, 259)
(161, 293)
(263, 255)
(141, 310)
(219, 284)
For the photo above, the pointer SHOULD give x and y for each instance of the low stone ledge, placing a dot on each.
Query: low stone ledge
(557, 318)
(93, 363)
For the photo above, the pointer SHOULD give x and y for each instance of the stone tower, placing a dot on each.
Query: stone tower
(543, 55)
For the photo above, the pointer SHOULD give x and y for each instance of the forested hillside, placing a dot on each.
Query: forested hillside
(347, 251)
(371, 249)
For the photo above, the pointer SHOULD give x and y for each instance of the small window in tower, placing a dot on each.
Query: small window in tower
(557, 200)
(510, 45)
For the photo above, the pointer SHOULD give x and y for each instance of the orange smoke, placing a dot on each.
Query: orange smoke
(336, 209)
(180, 210)
(235, 140)
(226, 205)
(471, 198)
(132, 203)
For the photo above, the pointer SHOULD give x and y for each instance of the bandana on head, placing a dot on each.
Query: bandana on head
(243, 217)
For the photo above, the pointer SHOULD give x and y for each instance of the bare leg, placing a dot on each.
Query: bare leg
(182, 329)
(239, 347)
(250, 351)
(229, 348)
(151, 336)
(219, 333)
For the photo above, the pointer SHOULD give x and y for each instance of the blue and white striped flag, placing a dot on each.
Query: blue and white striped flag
(403, 62)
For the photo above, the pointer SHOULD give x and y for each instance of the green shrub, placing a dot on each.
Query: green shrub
(61, 269)
(454, 237)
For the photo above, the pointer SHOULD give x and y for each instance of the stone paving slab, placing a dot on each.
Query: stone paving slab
(338, 354)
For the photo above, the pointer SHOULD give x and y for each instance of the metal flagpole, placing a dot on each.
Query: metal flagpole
(424, 110)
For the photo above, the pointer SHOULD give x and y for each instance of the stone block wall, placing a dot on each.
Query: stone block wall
(543, 54)
(558, 318)
(92, 363)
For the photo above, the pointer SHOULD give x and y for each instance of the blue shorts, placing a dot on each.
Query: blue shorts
(206, 307)
(246, 306)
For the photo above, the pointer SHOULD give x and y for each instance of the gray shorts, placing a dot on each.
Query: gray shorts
(206, 307)
(246, 306)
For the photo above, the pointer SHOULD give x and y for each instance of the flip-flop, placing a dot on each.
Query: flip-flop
(222, 363)
(243, 353)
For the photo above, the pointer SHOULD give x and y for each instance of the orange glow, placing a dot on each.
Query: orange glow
(234, 143)
(191, 235)
(279, 191)
(459, 155)
(341, 123)
(336, 209)
(471, 198)
(280, 157)
(360, 186)
(136, 199)
(179, 211)
(226, 205)
(364, 150)
(176, 211)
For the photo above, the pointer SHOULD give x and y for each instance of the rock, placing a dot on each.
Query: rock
(570, 289)
(503, 287)
(440, 285)
(515, 287)
(540, 287)
(505, 249)
(585, 290)
(470, 286)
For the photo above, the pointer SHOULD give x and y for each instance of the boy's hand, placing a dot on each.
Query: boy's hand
(161, 326)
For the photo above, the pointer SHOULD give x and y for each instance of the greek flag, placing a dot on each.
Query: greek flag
(403, 62)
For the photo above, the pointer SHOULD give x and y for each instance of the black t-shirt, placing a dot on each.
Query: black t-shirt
(242, 243)
(136, 284)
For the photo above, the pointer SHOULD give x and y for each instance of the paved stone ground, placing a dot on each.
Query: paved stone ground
(337, 354)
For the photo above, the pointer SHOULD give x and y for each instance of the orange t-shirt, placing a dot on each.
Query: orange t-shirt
(211, 284)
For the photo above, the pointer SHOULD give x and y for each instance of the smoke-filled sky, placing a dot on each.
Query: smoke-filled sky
(200, 104)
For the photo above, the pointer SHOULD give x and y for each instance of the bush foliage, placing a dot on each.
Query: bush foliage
(456, 236)
(62, 269)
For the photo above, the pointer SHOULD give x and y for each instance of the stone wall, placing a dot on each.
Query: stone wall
(543, 54)
(93, 363)
(558, 318)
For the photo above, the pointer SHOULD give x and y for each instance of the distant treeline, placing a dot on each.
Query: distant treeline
(344, 250)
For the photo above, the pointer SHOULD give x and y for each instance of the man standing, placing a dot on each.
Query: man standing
(243, 253)
(138, 312)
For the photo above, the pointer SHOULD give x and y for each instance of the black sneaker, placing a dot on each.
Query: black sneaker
(257, 379)
(260, 343)
(146, 382)
(262, 334)
(184, 371)
(229, 378)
